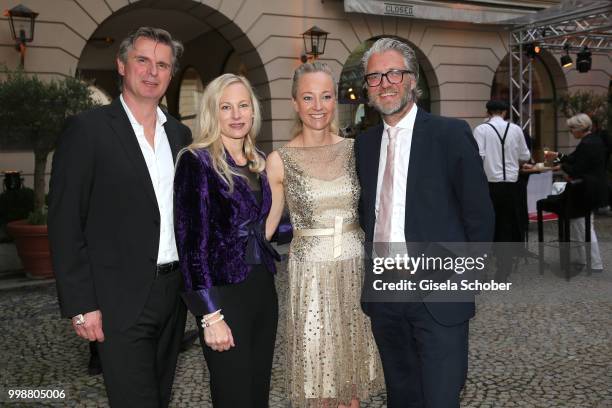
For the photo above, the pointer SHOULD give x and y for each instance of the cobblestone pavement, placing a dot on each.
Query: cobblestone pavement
(546, 345)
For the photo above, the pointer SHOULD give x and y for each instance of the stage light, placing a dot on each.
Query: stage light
(566, 60)
(583, 60)
(532, 50)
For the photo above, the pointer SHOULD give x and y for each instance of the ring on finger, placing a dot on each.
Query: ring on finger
(78, 320)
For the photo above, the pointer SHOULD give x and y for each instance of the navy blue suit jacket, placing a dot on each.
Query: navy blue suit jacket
(447, 195)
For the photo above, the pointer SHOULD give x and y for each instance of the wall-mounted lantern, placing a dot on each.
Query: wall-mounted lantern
(21, 20)
(314, 41)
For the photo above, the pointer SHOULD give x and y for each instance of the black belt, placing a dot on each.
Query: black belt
(166, 268)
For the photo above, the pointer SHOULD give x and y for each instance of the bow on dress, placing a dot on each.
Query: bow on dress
(257, 244)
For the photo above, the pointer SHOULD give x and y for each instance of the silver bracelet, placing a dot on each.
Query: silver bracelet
(208, 323)
(210, 316)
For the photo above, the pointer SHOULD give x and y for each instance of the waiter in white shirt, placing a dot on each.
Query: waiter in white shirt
(503, 149)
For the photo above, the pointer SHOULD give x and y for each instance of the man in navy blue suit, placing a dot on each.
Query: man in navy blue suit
(422, 181)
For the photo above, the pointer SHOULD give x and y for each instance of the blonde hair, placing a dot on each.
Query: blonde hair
(209, 135)
(311, 68)
(580, 122)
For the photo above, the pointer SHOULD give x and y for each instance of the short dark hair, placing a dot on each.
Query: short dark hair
(156, 34)
(496, 106)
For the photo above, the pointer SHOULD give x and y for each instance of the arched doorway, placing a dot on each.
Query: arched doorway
(213, 43)
(548, 84)
(190, 94)
(354, 113)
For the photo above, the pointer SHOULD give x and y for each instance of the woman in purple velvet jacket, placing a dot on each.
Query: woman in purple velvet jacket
(221, 201)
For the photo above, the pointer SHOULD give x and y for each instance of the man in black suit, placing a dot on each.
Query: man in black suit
(111, 226)
(422, 181)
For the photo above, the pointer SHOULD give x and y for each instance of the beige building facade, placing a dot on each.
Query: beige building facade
(462, 48)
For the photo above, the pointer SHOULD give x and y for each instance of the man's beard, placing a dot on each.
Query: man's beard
(391, 110)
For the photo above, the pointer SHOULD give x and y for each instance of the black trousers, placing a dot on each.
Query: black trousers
(509, 225)
(506, 199)
(425, 363)
(240, 377)
(139, 363)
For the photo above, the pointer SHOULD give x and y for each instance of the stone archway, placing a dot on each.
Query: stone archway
(548, 85)
(210, 37)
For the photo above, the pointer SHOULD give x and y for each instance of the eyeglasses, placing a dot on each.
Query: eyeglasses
(394, 76)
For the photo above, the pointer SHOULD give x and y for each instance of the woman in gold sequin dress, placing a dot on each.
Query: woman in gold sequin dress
(331, 355)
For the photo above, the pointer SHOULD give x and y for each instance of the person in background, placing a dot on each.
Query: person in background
(502, 146)
(586, 162)
(222, 198)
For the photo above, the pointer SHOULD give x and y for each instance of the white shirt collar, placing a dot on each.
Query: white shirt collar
(496, 118)
(407, 122)
(160, 117)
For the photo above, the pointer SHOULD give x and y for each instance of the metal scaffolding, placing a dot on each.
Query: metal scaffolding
(573, 24)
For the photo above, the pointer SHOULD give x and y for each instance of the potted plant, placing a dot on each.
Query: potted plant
(594, 105)
(36, 110)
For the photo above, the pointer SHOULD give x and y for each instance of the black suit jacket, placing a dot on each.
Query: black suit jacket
(588, 162)
(447, 195)
(104, 221)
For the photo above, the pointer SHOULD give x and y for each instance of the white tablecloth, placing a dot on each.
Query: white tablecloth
(539, 186)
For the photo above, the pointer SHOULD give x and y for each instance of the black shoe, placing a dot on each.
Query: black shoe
(95, 366)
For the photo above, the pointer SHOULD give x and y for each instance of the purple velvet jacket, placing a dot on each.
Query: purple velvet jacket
(219, 234)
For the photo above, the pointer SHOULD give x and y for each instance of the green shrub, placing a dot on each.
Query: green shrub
(594, 105)
(36, 110)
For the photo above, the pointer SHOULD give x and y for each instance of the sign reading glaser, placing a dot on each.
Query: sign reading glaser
(395, 9)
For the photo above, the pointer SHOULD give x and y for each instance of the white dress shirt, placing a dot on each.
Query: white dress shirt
(400, 172)
(490, 149)
(161, 169)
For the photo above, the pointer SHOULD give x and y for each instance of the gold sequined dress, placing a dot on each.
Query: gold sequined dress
(331, 354)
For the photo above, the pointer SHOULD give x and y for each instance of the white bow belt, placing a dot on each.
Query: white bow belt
(336, 232)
